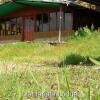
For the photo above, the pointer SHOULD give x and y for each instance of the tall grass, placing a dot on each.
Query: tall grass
(19, 78)
(83, 45)
(84, 82)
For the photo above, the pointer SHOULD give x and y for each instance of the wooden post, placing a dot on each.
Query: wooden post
(49, 22)
(63, 26)
(59, 38)
(34, 23)
(72, 20)
(5, 28)
(42, 23)
(56, 21)
(28, 30)
(23, 22)
(16, 25)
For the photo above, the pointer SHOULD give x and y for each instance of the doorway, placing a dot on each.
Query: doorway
(29, 28)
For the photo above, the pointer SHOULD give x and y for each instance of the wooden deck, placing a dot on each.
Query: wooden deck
(51, 36)
(11, 37)
(39, 36)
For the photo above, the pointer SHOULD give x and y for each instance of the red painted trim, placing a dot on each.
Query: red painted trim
(27, 32)
(27, 11)
(23, 34)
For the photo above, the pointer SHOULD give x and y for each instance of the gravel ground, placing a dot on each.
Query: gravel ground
(9, 41)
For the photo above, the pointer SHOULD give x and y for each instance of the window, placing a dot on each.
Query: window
(29, 24)
(68, 21)
(58, 20)
(52, 21)
(42, 23)
(8, 27)
(45, 23)
(13, 26)
(38, 23)
(19, 25)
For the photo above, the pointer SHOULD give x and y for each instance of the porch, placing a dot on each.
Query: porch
(39, 25)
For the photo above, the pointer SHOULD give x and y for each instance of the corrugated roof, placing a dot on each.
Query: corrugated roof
(10, 7)
(96, 2)
(37, 3)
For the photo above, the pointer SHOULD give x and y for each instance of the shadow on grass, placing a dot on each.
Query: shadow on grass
(75, 59)
(98, 58)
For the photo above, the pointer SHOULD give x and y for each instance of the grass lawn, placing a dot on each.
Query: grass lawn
(28, 68)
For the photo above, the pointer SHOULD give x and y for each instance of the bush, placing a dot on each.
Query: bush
(76, 59)
(82, 32)
(73, 59)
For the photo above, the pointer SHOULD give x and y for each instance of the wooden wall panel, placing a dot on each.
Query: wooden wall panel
(37, 35)
(11, 37)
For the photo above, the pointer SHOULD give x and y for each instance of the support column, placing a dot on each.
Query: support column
(72, 21)
(5, 28)
(34, 23)
(63, 22)
(59, 38)
(42, 23)
(56, 21)
(16, 26)
(49, 22)
(23, 28)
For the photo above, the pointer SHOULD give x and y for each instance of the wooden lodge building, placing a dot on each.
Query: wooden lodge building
(29, 20)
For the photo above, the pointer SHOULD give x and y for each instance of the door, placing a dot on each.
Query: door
(29, 29)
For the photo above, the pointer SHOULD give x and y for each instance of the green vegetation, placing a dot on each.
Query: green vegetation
(27, 68)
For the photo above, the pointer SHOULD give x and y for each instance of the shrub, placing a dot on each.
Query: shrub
(73, 59)
(82, 32)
